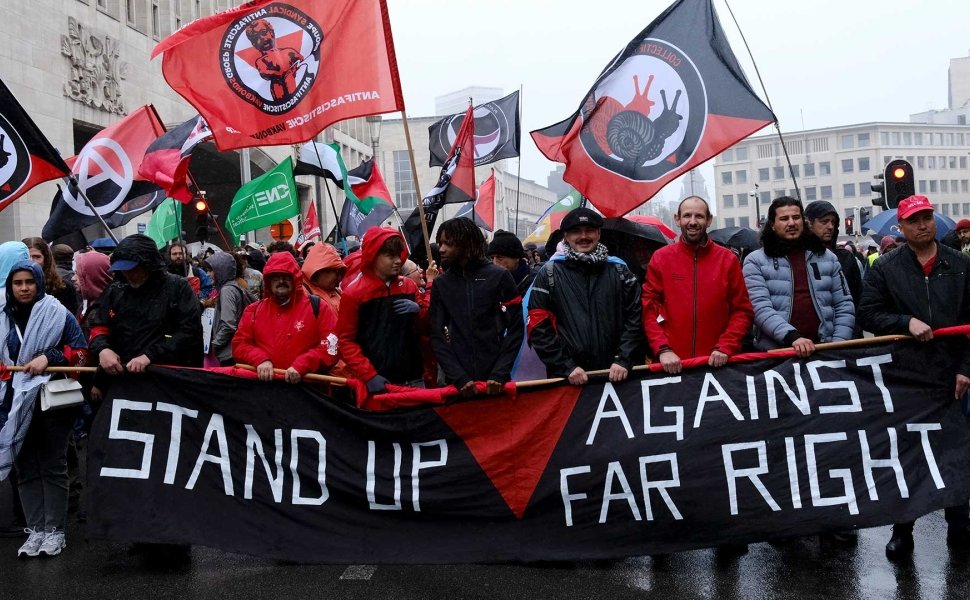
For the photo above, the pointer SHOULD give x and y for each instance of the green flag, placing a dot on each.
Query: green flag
(264, 201)
(165, 222)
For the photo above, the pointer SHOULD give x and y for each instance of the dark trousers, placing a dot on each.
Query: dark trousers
(42, 469)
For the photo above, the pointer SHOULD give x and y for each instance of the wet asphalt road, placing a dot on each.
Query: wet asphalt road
(802, 569)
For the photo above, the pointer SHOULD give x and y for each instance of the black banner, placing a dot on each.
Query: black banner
(770, 448)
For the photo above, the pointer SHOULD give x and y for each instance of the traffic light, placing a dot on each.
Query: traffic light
(848, 226)
(201, 220)
(864, 214)
(899, 182)
(880, 188)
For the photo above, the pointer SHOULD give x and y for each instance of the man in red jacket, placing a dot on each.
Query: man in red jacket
(382, 315)
(695, 302)
(286, 329)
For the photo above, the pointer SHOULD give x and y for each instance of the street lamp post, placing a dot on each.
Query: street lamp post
(375, 122)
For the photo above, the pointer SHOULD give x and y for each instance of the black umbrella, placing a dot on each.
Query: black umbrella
(743, 238)
(631, 228)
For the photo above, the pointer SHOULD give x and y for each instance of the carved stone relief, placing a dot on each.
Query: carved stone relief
(96, 71)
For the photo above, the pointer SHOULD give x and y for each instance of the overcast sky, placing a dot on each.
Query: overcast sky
(824, 63)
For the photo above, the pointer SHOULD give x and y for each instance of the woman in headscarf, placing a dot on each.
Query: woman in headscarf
(36, 331)
(57, 286)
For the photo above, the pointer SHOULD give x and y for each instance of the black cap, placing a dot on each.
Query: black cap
(818, 209)
(504, 243)
(579, 217)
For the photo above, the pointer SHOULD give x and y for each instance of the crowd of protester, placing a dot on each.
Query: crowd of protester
(372, 314)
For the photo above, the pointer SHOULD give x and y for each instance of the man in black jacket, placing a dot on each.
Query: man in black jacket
(913, 290)
(151, 317)
(584, 308)
(823, 221)
(476, 312)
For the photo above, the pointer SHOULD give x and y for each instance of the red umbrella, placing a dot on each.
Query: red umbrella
(652, 220)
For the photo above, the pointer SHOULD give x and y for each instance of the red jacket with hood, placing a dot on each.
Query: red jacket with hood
(373, 338)
(286, 335)
(695, 300)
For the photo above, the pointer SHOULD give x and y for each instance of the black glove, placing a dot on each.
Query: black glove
(376, 385)
(403, 306)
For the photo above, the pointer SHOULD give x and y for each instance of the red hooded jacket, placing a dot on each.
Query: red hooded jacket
(285, 334)
(373, 338)
(695, 300)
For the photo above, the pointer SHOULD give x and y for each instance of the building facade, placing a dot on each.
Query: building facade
(85, 64)
(839, 164)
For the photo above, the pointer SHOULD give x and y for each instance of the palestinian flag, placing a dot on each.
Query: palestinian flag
(167, 159)
(274, 72)
(674, 97)
(367, 201)
(552, 218)
(26, 156)
(319, 160)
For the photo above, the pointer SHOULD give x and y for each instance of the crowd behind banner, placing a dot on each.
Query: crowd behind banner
(492, 312)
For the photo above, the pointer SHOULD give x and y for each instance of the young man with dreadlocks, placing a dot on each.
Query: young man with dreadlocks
(584, 307)
(476, 314)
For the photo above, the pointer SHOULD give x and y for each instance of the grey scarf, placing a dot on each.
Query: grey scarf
(597, 256)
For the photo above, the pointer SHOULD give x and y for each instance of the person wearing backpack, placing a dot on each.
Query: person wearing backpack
(287, 329)
(229, 305)
(584, 307)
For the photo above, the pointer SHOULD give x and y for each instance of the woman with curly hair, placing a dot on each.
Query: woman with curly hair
(57, 286)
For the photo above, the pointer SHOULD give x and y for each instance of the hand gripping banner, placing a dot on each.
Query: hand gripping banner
(774, 447)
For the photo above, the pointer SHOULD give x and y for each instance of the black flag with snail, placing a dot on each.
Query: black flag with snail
(674, 97)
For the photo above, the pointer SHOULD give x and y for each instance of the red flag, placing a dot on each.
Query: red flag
(310, 228)
(26, 156)
(485, 206)
(367, 181)
(279, 72)
(457, 180)
(166, 161)
(672, 99)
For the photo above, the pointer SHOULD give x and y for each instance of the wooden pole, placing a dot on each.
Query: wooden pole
(417, 187)
(307, 377)
(853, 343)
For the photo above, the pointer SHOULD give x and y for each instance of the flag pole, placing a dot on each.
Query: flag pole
(791, 169)
(72, 181)
(326, 184)
(518, 175)
(417, 187)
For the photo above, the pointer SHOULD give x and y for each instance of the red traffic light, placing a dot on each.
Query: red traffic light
(200, 205)
(899, 172)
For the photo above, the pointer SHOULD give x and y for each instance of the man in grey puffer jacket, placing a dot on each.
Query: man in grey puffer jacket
(796, 285)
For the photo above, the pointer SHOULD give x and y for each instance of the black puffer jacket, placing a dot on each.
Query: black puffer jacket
(589, 317)
(476, 323)
(160, 319)
(895, 290)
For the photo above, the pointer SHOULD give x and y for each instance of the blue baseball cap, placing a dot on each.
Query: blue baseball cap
(123, 265)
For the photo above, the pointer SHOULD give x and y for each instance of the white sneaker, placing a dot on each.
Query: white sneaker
(54, 542)
(32, 546)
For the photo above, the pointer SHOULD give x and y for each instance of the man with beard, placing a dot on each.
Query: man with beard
(476, 312)
(796, 286)
(915, 289)
(584, 307)
(179, 264)
(695, 302)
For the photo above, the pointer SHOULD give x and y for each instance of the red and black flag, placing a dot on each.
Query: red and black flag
(167, 158)
(497, 132)
(107, 172)
(482, 211)
(273, 72)
(456, 185)
(673, 98)
(26, 156)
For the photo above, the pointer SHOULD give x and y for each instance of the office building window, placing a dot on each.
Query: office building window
(824, 168)
(920, 162)
(944, 186)
(810, 193)
(963, 162)
(922, 186)
(764, 197)
(729, 222)
(727, 155)
(130, 11)
(742, 153)
(848, 165)
(934, 186)
(945, 209)
(404, 194)
(795, 169)
(726, 177)
(848, 190)
(728, 200)
(966, 208)
(952, 162)
(863, 140)
(884, 138)
(848, 142)
(809, 169)
(895, 138)
(864, 164)
(779, 172)
(865, 188)
(763, 175)
(741, 176)
(964, 189)
(918, 139)
(825, 192)
(744, 222)
(742, 200)
(907, 138)
(931, 162)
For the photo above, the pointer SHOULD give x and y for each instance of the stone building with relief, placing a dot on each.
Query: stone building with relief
(78, 66)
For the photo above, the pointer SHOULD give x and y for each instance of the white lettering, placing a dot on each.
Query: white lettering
(116, 433)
